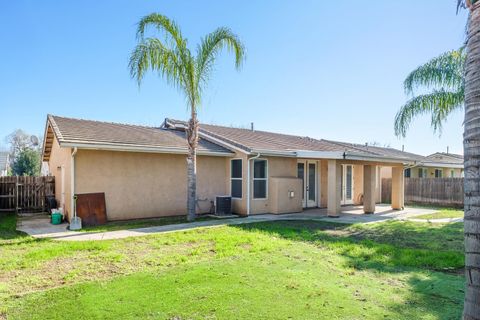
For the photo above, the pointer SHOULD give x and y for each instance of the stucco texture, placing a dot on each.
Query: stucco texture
(60, 159)
(142, 185)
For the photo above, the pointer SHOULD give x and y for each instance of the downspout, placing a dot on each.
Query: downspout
(72, 182)
(248, 181)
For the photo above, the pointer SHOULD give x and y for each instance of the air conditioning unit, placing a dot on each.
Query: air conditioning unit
(223, 205)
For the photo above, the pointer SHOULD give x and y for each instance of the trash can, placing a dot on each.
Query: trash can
(56, 218)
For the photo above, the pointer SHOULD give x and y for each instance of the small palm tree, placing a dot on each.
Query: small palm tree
(172, 59)
(443, 74)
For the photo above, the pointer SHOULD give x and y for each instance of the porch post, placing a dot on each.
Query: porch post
(369, 182)
(334, 188)
(397, 188)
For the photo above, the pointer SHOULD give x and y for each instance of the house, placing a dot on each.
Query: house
(436, 165)
(142, 170)
(4, 158)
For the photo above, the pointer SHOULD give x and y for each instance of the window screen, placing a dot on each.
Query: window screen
(259, 179)
(236, 178)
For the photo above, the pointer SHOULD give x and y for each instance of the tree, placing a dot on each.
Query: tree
(27, 163)
(444, 74)
(471, 149)
(20, 140)
(172, 59)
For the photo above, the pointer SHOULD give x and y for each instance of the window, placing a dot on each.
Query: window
(236, 178)
(422, 173)
(438, 173)
(407, 173)
(452, 174)
(260, 179)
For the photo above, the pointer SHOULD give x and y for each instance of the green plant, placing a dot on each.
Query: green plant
(27, 163)
(444, 75)
(172, 59)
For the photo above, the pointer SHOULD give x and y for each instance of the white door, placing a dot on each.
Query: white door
(307, 171)
(347, 184)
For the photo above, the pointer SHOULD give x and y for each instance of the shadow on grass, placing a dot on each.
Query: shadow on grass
(9, 233)
(432, 255)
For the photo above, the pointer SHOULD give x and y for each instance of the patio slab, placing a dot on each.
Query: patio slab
(40, 226)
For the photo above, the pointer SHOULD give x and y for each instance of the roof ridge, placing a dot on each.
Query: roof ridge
(106, 122)
(248, 130)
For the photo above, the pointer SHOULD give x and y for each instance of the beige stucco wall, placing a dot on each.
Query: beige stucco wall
(357, 184)
(60, 159)
(285, 195)
(140, 185)
(323, 183)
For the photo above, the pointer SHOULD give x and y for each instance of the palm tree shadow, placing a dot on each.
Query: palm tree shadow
(432, 258)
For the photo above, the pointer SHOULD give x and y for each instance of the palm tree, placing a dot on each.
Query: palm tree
(172, 59)
(471, 150)
(443, 74)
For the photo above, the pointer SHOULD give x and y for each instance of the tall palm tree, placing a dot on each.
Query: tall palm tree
(172, 59)
(444, 75)
(471, 150)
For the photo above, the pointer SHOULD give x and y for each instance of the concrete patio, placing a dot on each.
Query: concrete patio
(39, 225)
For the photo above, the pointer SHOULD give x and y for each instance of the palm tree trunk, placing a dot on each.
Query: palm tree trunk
(192, 139)
(471, 145)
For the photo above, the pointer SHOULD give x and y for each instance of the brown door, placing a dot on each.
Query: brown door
(91, 208)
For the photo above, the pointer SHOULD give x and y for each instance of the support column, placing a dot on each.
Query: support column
(334, 188)
(397, 188)
(369, 182)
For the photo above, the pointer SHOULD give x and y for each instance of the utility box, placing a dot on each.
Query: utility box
(223, 205)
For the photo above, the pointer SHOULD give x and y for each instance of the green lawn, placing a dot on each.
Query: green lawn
(442, 213)
(270, 270)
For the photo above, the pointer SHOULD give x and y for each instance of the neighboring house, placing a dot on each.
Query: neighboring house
(4, 158)
(437, 165)
(143, 173)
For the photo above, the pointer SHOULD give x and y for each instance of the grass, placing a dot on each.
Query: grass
(269, 270)
(139, 223)
(442, 213)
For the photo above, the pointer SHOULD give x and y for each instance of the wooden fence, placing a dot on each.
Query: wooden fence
(25, 194)
(446, 192)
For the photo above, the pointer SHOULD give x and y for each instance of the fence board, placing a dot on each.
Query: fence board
(446, 192)
(25, 194)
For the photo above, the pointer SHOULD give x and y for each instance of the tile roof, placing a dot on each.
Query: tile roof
(3, 160)
(383, 151)
(171, 135)
(445, 158)
(250, 140)
(70, 130)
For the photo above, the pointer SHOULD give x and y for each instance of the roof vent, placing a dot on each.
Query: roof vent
(252, 126)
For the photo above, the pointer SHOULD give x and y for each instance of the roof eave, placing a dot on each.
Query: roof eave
(441, 165)
(139, 148)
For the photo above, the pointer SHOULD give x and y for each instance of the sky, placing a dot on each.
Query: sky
(323, 69)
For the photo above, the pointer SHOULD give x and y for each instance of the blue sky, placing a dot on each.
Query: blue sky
(324, 69)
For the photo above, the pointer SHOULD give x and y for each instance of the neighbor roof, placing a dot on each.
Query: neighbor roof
(107, 135)
(442, 159)
(255, 140)
(3, 160)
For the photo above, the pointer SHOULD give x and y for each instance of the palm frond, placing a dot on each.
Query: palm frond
(151, 54)
(439, 104)
(211, 45)
(174, 38)
(162, 24)
(444, 71)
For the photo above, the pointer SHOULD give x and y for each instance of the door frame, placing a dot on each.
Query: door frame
(306, 203)
(343, 197)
